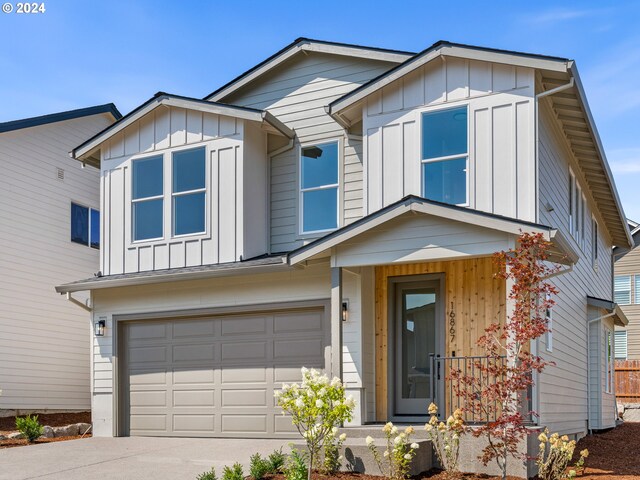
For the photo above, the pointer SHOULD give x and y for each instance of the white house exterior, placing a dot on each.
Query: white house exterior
(44, 360)
(337, 207)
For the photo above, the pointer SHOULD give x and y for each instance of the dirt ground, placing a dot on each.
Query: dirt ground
(24, 443)
(613, 455)
(8, 424)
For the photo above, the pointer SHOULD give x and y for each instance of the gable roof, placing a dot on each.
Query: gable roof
(445, 48)
(109, 108)
(303, 44)
(412, 203)
(87, 150)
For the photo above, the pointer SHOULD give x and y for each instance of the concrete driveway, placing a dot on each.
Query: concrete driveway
(130, 458)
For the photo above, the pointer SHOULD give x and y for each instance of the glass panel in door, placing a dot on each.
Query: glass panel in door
(418, 309)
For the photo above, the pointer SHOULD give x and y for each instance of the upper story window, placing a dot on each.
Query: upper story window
(549, 333)
(148, 198)
(621, 344)
(189, 191)
(636, 282)
(572, 204)
(610, 365)
(594, 243)
(319, 187)
(445, 156)
(85, 225)
(622, 289)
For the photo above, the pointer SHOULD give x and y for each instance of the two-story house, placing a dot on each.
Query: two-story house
(337, 207)
(49, 233)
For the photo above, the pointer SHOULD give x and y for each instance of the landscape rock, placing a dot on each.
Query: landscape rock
(83, 428)
(47, 432)
(68, 431)
(15, 436)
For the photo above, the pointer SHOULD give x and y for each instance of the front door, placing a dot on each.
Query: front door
(418, 329)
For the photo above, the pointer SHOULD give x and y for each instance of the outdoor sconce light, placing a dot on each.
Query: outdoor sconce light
(99, 328)
(345, 310)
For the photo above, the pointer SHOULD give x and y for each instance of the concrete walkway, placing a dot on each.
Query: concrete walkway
(130, 458)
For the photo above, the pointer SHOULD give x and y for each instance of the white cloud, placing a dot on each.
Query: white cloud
(624, 160)
(557, 15)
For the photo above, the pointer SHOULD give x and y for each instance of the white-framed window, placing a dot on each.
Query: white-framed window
(636, 290)
(622, 289)
(549, 333)
(610, 362)
(147, 198)
(594, 243)
(188, 192)
(583, 228)
(85, 225)
(445, 155)
(621, 344)
(572, 205)
(319, 167)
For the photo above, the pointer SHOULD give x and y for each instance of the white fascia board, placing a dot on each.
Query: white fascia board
(309, 46)
(582, 97)
(451, 51)
(202, 106)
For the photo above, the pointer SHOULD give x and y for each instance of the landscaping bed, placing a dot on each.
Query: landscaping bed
(8, 424)
(21, 442)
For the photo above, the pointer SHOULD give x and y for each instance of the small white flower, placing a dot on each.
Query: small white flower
(447, 447)
(369, 441)
(322, 392)
(285, 387)
(304, 371)
(386, 453)
(335, 382)
(415, 446)
(343, 437)
(299, 403)
(334, 431)
(277, 393)
(394, 430)
(319, 403)
(407, 456)
(397, 440)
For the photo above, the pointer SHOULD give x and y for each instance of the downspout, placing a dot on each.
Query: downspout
(77, 302)
(597, 319)
(537, 133)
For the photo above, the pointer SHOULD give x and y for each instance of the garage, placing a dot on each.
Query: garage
(215, 376)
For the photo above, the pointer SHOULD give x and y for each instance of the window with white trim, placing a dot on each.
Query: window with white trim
(621, 344)
(636, 291)
(610, 364)
(622, 289)
(319, 187)
(147, 198)
(85, 225)
(583, 228)
(572, 187)
(594, 243)
(549, 333)
(445, 156)
(188, 171)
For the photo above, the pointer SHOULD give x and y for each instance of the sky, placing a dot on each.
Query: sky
(81, 53)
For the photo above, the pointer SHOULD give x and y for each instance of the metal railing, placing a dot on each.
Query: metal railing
(445, 388)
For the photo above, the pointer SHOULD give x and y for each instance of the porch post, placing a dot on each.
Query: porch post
(336, 322)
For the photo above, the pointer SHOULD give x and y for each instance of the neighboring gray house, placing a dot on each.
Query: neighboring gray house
(49, 211)
(337, 206)
(626, 289)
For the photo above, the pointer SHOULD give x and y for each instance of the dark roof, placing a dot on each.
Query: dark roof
(601, 303)
(143, 105)
(104, 280)
(443, 43)
(59, 117)
(293, 44)
(409, 199)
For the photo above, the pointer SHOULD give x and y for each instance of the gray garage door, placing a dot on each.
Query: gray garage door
(215, 377)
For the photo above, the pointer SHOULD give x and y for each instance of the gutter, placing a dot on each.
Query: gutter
(77, 302)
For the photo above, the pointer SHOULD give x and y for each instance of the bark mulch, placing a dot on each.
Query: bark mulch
(24, 443)
(613, 455)
(8, 424)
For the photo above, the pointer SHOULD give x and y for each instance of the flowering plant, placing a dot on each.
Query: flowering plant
(445, 437)
(554, 456)
(332, 446)
(317, 407)
(396, 459)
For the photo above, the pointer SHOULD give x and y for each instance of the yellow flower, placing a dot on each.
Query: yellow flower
(584, 453)
(457, 414)
(433, 421)
(450, 421)
(542, 437)
(433, 408)
(409, 430)
(564, 438)
(542, 445)
(441, 426)
(428, 427)
(387, 428)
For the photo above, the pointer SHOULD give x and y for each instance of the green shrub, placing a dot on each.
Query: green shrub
(233, 473)
(276, 461)
(210, 475)
(259, 467)
(296, 466)
(29, 426)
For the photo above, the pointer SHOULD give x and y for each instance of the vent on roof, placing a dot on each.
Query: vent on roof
(60, 173)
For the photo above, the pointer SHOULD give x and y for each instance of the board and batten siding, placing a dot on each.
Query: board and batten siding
(312, 283)
(297, 93)
(44, 359)
(630, 265)
(500, 100)
(562, 388)
(236, 196)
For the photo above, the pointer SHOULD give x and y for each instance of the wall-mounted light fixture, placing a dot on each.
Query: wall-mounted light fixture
(345, 310)
(99, 327)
